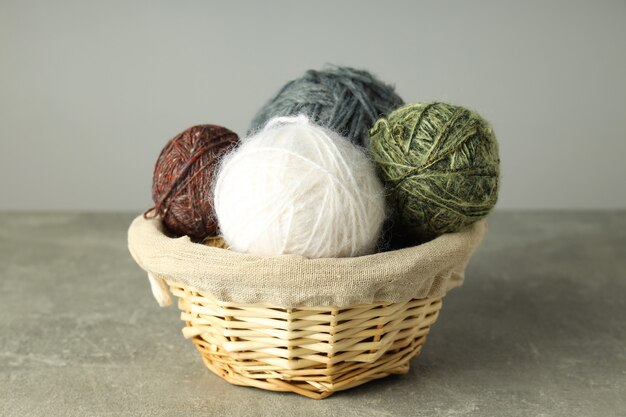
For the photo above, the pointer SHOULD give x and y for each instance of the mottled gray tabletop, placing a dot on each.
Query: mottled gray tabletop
(538, 329)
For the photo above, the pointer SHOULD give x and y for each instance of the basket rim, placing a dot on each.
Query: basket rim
(422, 271)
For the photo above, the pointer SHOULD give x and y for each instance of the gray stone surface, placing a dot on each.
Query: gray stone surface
(538, 329)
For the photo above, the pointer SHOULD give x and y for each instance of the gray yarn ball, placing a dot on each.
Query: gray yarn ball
(345, 100)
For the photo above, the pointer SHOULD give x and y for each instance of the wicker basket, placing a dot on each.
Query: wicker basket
(248, 336)
(312, 351)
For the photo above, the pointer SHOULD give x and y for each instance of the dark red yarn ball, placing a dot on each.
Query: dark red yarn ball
(182, 179)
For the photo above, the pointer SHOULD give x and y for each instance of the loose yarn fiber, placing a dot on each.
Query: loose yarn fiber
(342, 99)
(215, 241)
(183, 174)
(441, 165)
(298, 188)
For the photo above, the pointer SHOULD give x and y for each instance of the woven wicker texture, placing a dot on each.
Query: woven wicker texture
(312, 351)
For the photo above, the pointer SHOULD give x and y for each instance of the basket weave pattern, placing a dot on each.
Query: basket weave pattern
(312, 351)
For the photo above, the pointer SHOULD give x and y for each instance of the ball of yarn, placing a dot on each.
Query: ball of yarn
(298, 188)
(440, 163)
(183, 174)
(342, 99)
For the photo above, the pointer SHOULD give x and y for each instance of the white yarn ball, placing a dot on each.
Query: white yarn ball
(297, 188)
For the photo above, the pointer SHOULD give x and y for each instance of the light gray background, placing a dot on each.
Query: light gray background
(91, 91)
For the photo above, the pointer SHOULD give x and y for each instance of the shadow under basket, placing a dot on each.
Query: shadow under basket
(312, 351)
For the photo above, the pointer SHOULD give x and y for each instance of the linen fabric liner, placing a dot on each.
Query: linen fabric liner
(427, 270)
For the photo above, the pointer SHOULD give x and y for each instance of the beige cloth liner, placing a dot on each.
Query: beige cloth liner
(427, 270)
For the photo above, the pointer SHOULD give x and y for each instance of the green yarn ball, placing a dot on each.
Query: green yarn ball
(441, 166)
